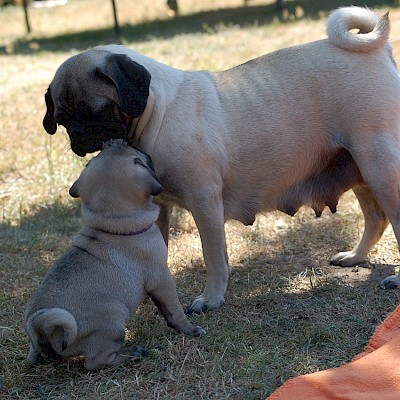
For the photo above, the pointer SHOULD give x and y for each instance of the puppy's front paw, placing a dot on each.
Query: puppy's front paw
(391, 282)
(198, 331)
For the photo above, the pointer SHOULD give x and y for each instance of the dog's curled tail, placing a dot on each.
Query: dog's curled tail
(51, 330)
(373, 31)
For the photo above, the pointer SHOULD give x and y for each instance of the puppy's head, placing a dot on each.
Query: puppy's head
(96, 95)
(120, 179)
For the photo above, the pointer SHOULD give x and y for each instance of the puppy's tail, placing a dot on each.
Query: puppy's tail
(373, 31)
(51, 331)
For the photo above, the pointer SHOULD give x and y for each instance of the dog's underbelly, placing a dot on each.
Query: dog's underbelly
(323, 187)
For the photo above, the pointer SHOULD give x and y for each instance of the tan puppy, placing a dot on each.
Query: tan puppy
(298, 126)
(117, 258)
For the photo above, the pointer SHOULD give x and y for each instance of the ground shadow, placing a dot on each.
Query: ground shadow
(306, 247)
(55, 222)
(307, 244)
(202, 22)
(321, 324)
(290, 304)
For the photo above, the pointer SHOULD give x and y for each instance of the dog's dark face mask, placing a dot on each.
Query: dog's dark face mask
(96, 96)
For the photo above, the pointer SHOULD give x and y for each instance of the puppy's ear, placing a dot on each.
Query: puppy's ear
(74, 190)
(131, 80)
(48, 121)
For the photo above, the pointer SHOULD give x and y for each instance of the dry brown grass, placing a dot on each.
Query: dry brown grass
(288, 312)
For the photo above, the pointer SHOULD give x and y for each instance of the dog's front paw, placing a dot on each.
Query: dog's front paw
(391, 282)
(347, 259)
(201, 304)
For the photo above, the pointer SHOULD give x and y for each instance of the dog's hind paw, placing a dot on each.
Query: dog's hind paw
(391, 282)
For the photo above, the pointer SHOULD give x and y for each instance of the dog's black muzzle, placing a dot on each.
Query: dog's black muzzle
(89, 137)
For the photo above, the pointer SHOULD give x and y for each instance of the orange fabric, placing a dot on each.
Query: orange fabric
(373, 374)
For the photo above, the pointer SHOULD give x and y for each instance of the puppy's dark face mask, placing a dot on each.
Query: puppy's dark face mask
(96, 96)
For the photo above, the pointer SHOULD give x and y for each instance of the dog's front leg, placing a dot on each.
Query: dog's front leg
(208, 212)
(375, 224)
(164, 220)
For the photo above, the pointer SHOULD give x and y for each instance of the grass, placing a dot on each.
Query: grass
(287, 312)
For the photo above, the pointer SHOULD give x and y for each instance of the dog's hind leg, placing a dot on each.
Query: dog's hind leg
(379, 162)
(375, 223)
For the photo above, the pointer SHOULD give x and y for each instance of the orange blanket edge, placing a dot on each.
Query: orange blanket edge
(318, 386)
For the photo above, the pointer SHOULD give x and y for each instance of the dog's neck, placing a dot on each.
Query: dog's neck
(137, 125)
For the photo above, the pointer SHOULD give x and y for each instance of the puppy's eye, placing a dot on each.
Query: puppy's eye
(138, 161)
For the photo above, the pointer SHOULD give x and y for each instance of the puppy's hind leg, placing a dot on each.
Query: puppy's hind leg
(375, 222)
(106, 347)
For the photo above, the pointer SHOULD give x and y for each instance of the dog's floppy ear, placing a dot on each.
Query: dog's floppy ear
(131, 80)
(74, 190)
(48, 121)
